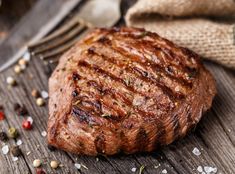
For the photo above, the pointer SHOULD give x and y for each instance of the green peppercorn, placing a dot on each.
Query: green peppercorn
(12, 132)
(15, 150)
(3, 136)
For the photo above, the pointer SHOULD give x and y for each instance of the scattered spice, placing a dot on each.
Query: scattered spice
(5, 149)
(19, 142)
(17, 69)
(78, 166)
(11, 81)
(141, 169)
(44, 94)
(40, 171)
(196, 151)
(15, 150)
(37, 163)
(22, 62)
(22, 111)
(27, 125)
(16, 107)
(3, 136)
(14, 158)
(40, 101)
(54, 164)
(44, 133)
(164, 171)
(35, 93)
(134, 169)
(51, 148)
(2, 115)
(12, 132)
(30, 119)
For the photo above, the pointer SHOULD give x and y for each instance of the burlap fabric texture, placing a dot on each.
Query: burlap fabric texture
(204, 26)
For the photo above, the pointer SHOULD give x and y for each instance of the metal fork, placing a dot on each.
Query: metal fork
(50, 47)
(60, 41)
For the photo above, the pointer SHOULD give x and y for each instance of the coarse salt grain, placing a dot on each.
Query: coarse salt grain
(5, 149)
(78, 166)
(164, 171)
(199, 169)
(196, 151)
(44, 94)
(14, 158)
(30, 119)
(44, 133)
(134, 169)
(210, 170)
(19, 142)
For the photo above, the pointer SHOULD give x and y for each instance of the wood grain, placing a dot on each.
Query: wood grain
(214, 135)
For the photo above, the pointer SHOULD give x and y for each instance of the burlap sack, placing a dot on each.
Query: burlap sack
(187, 23)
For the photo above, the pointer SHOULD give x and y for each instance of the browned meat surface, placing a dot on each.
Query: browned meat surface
(125, 90)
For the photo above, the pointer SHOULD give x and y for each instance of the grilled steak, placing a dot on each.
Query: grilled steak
(125, 90)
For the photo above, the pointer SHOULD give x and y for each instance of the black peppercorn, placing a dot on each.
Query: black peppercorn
(51, 148)
(16, 106)
(22, 111)
(15, 150)
(76, 76)
(3, 136)
(74, 93)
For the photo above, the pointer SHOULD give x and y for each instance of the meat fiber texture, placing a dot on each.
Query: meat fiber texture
(125, 90)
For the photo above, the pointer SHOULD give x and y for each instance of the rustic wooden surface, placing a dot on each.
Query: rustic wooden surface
(214, 135)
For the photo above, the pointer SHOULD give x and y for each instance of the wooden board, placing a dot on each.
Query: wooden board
(214, 135)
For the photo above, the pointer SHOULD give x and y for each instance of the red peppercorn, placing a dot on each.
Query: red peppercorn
(40, 171)
(2, 115)
(27, 125)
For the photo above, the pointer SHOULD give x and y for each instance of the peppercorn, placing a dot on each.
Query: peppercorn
(40, 102)
(22, 62)
(40, 171)
(51, 148)
(15, 150)
(54, 164)
(37, 163)
(17, 69)
(35, 93)
(11, 81)
(3, 136)
(27, 125)
(16, 107)
(12, 132)
(2, 115)
(22, 111)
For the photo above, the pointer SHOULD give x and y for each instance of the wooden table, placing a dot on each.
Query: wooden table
(214, 135)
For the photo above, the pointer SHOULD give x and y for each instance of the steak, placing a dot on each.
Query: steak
(125, 90)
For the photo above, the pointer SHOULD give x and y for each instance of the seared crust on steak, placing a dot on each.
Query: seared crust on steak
(125, 89)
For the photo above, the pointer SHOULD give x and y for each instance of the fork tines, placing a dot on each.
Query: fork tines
(59, 41)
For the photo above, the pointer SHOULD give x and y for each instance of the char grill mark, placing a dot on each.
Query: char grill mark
(143, 74)
(164, 56)
(125, 100)
(147, 62)
(185, 57)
